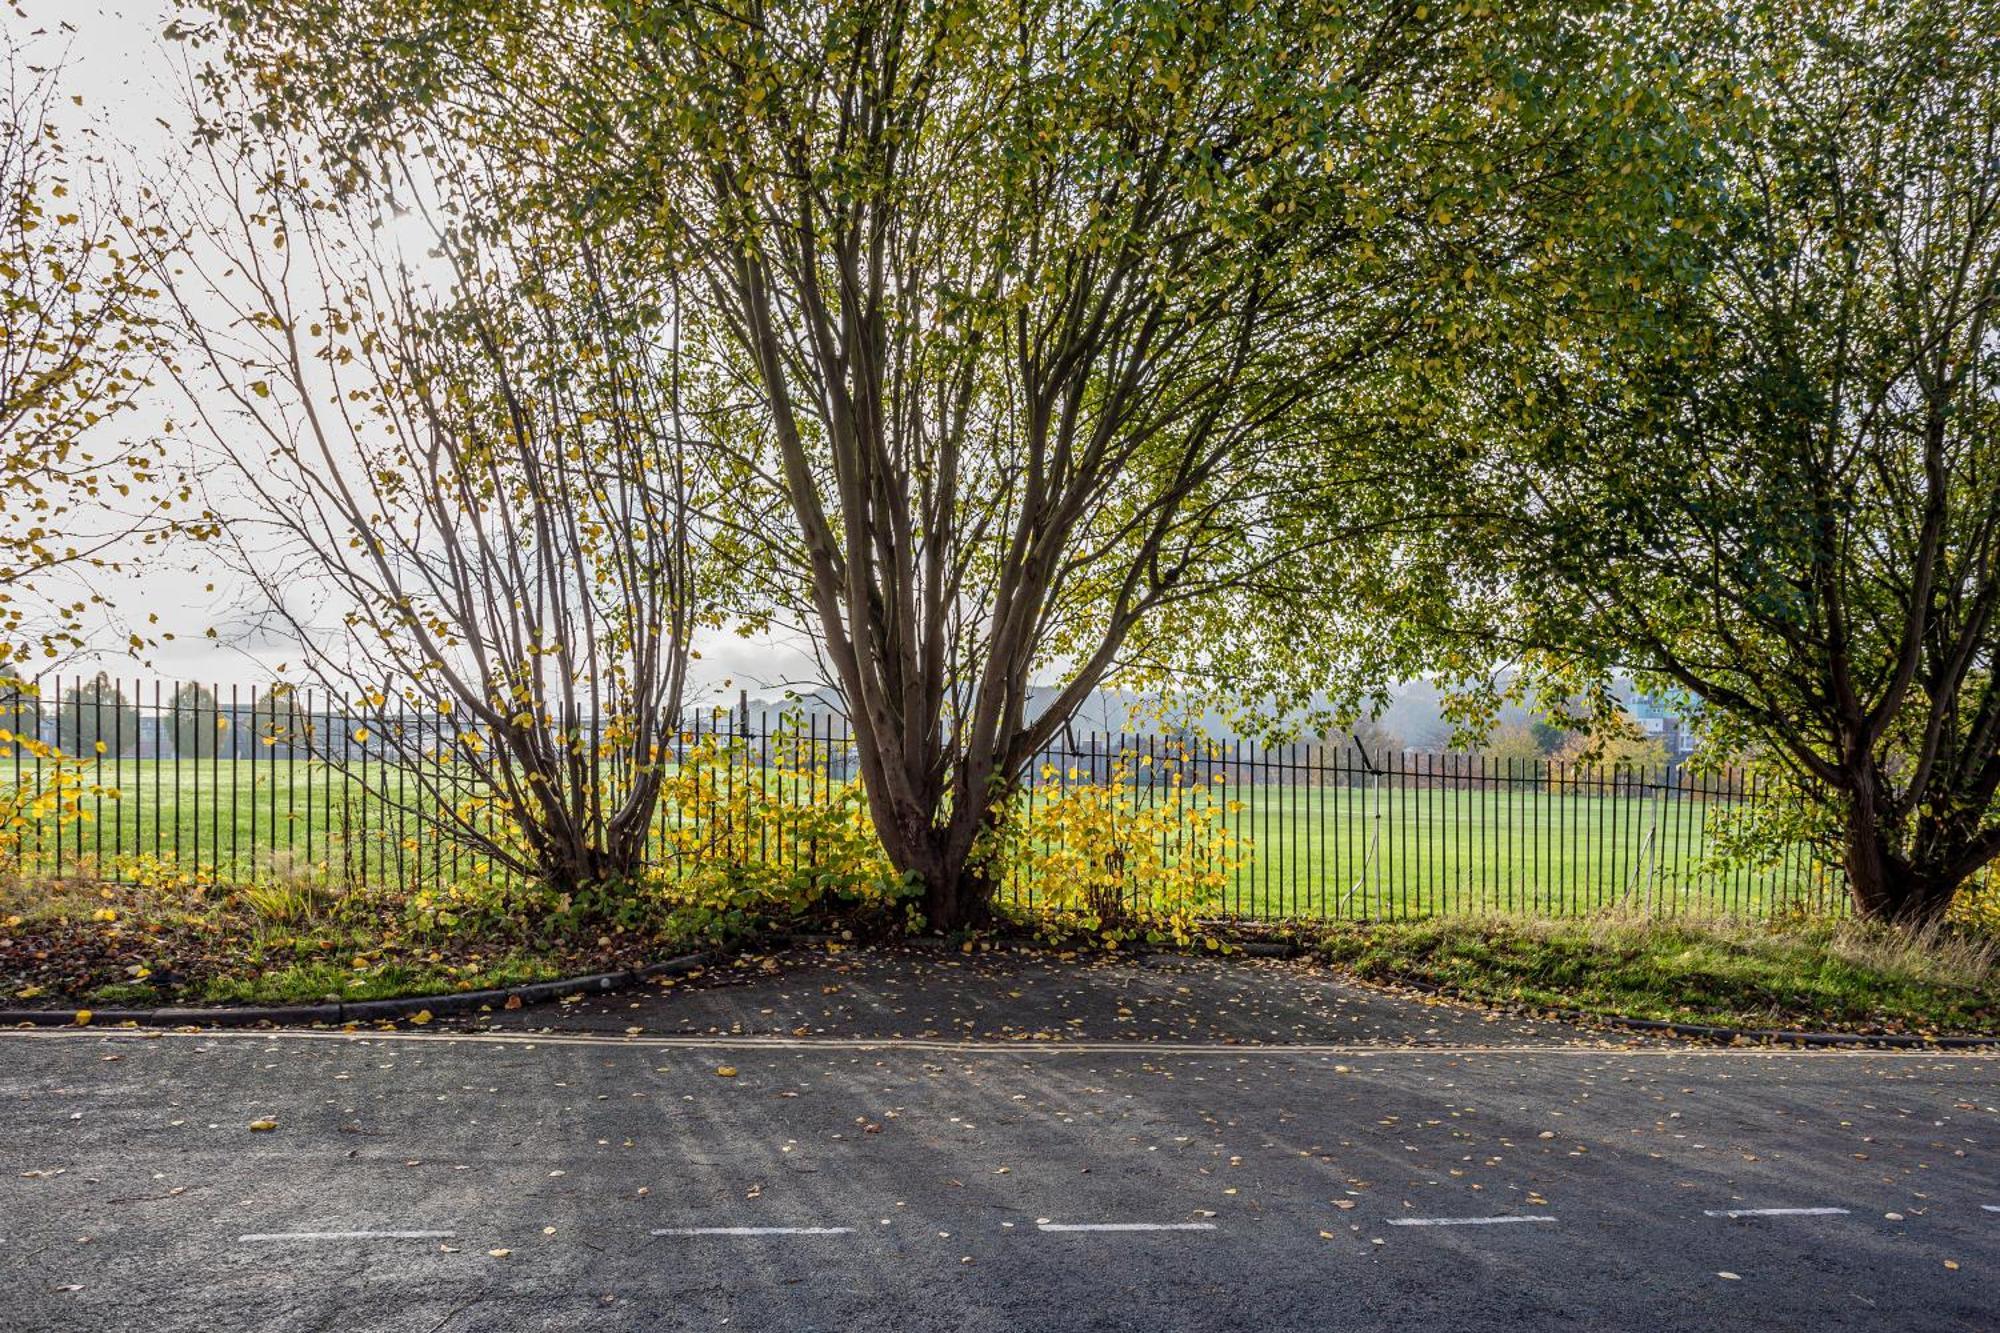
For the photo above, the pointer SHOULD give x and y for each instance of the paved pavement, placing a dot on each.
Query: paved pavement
(1201, 1171)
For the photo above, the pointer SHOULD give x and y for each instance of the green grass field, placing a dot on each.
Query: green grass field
(238, 819)
(1313, 852)
(1352, 852)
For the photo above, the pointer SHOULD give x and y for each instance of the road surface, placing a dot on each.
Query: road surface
(1419, 1166)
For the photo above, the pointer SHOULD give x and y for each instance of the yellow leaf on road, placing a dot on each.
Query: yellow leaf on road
(261, 1126)
(725, 1071)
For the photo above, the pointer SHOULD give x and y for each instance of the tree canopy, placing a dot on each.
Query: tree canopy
(77, 340)
(1077, 338)
(1770, 475)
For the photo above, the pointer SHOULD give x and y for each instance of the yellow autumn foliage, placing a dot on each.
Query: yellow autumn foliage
(1145, 851)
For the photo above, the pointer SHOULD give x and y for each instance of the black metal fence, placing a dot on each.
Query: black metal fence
(127, 781)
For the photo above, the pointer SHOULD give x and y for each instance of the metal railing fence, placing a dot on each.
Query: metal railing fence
(123, 780)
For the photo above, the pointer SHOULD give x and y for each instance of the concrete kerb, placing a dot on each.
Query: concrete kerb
(460, 1002)
(364, 1011)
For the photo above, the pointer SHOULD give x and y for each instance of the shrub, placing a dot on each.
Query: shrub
(751, 840)
(1145, 852)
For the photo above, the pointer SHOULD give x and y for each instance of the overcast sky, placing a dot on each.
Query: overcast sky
(132, 80)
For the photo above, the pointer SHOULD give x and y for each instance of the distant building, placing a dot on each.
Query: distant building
(1657, 722)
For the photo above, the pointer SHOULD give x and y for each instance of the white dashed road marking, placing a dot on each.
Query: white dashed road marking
(1463, 1221)
(1774, 1212)
(346, 1235)
(753, 1231)
(1125, 1226)
(1991, 1207)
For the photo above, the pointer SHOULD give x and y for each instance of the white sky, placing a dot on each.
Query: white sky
(131, 80)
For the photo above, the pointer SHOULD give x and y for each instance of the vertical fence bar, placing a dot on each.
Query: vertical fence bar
(763, 787)
(214, 774)
(17, 725)
(117, 777)
(1261, 763)
(1323, 861)
(76, 727)
(187, 696)
(312, 828)
(254, 744)
(237, 854)
(1482, 871)
(1540, 770)
(1607, 832)
(1425, 817)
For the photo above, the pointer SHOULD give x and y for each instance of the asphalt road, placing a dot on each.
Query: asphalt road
(1080, 1179)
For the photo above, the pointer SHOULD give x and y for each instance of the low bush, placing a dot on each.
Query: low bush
(1142, 854)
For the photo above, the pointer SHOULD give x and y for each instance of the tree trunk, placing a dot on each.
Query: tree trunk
(1882, 883)
(957, 886)
(572, 864)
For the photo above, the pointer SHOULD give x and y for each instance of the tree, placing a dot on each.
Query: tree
(198, 729)
(1515, 745)
(1776, 482)
(1618, 748)
(284, 725)
(1549, 736)
(96, 714)
(76, 343)
(483, 471)
(1042, 317)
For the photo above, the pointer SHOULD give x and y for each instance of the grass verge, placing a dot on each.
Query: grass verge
(80, 944)
(1823, 976)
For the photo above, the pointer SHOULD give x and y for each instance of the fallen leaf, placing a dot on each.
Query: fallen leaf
(725, 1071)
(259, 1126)
(421, 1017)
(499, 1254)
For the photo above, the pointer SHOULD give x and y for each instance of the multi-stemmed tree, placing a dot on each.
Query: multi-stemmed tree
(1067, 332)
(1768, 473)
(475, 503)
